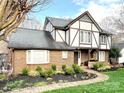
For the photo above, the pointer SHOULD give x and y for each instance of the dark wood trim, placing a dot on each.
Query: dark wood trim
(91, 37)
(106, 41)
(111, 41)
(65, 36)
(52, 30)
(69, 37)
(85, 21)
(79, 33)
(60, 36)
(85, 43)
(55, 34)
(50, 22)
(95, 40)
(74, 37)
(84, 29)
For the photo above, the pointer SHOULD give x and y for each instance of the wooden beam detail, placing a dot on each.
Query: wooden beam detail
(60, 36)
(74, 37)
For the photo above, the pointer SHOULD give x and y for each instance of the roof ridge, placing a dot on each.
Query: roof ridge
(60, 18)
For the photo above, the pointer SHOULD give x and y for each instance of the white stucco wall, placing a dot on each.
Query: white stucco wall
(72, 35)
(95, 39)
(75, 25)
(85, 25)
(58, 37)
(49, 27)
(94, 28)
(67, 36)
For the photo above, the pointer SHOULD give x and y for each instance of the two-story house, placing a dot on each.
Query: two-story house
(82, 33)
(63, 41)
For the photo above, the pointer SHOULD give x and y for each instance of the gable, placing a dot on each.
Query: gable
(85, 18)
(86, 22)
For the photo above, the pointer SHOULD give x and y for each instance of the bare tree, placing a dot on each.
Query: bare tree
(115, 22)
(13, 12)
(108, 24)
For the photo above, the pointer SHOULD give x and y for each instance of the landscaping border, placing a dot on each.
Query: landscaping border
(100, 77)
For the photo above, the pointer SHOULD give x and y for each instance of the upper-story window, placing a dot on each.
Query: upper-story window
(103, 39)
(85, 37)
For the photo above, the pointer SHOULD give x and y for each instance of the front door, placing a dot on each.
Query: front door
(77, 57)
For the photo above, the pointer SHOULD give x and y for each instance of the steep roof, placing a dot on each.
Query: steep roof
(105, 32)
(59, 22)
(65, 23)
(34, 39)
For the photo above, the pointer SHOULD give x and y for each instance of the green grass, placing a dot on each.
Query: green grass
(114, 85)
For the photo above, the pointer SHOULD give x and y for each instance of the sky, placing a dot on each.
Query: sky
(99, 9)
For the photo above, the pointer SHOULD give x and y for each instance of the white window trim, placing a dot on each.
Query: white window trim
(103, 39)
(32, 60)
(87, 41)
(64, 54)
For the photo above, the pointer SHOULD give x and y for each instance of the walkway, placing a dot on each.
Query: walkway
(100, 77)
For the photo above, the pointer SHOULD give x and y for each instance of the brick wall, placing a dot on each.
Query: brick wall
(107, 57)
(19, 60)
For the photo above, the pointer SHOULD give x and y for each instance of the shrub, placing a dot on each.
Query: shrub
(33, 73)
(43, 73)
(50, 72)
(25, 72)
(77, 68)
(38, 69)
(63, 68)
(98, 65)
(46, 73)
(53, 67)
(69, 71)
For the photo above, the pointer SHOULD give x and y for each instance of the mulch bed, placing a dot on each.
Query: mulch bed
(58, 78)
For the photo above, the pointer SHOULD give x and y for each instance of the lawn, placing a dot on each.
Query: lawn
(114, 85)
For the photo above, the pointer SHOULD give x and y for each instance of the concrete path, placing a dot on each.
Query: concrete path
(100, 77)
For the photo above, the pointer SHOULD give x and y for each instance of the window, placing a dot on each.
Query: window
(37, 56)
(64, 54)
(85, 37)
(101, 55)
(103, 39)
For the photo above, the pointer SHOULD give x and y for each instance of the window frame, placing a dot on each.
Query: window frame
(103, 39)
(30, 59)
(85, 37)
(64, 54)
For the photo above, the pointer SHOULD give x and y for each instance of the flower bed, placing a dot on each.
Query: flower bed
(45, 77)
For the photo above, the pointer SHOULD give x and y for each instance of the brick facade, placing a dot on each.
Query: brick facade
(19, 60)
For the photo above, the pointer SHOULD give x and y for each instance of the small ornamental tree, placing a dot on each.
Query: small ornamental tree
(114, 53)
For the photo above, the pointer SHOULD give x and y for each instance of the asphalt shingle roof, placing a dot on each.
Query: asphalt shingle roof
(34, 39)
(59, 22)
